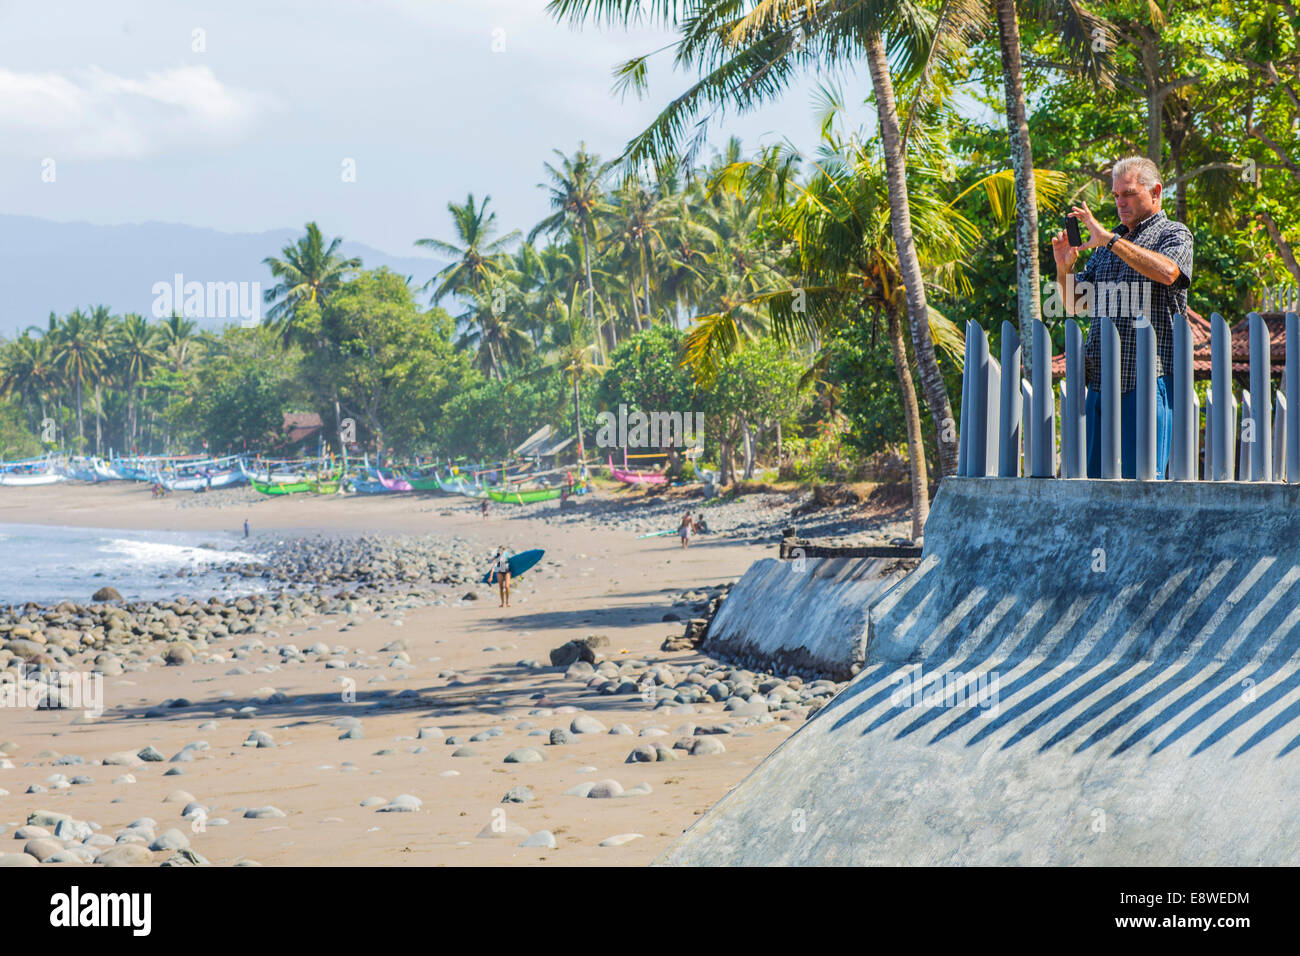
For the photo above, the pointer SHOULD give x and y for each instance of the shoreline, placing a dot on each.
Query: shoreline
(330, 716)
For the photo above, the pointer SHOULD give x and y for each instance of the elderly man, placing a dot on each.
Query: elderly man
(1139, 274)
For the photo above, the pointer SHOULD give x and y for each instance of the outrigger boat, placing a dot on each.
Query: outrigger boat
(635, 477)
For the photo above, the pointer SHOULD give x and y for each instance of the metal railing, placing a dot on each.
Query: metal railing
(1009, 432)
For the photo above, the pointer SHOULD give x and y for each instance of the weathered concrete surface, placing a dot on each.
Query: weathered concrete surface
(806, 614)
(1146, 714)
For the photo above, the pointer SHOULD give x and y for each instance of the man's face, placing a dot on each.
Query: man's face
(1134, 201)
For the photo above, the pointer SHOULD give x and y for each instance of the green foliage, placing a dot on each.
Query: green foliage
(16, 438)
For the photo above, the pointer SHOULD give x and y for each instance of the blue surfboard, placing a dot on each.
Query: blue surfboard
(519, 563)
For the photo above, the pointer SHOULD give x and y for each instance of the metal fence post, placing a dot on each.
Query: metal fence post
(977, 453)
(1027, 434)
(1110, 397)
(1146, 401)
(993, 393)
(1044, 420)
(1261, 386)
(1293, 397)
(1195, 452)
(1182, 457)
(1009, 430)
(967, 390)
(1246, 460)
(1221, 388)
(1209, 436)
(1280, 471)
(1074, 430)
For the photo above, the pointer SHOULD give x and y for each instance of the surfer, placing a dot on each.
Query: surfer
(501, 574)
(687, 526)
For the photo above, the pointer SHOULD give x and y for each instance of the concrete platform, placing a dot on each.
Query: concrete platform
(1120, 687)
(806, 614)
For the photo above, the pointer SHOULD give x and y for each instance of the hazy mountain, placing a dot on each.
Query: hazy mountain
(58, 266)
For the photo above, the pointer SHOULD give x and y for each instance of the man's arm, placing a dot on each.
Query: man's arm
(1155, 266)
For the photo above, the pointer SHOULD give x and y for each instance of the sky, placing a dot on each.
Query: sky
(247, 116)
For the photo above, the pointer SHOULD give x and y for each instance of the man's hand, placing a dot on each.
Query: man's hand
(1097, 233)
(1066, 255)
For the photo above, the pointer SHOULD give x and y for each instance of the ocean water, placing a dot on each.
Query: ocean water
(52, 564)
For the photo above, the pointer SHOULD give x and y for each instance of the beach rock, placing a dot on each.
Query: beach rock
(30, 832)
(622, 730)
(642, 754)
(18, 859)
(402, 803)
(431, 733)
(704, 746)
(125, 854)
(179, 655)
(604, 789)
(264, 813)
(42, 848)
(106, 594)
(259, 738)
(464, 752)
(586, 724)
(524, 755)
(620, 839)
(47, 818)
(150, 755)
(372, 802)
(499, 829)
(518, 795)
(544, 839)
(185, 857)
(561, 736)
(172, 839)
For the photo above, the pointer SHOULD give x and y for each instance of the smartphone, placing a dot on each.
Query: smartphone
(1072, 231)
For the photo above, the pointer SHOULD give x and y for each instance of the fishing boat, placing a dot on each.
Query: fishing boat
(19, 479)
(288, 488)
(106, 472)
(204, 475)
(367, 486)
(393, 484)
(635, 477)
(329, 486)
(80, 469)
(526, 497)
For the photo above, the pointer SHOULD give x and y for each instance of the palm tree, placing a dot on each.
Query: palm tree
(78, 356)
(103, 331)
(477, 258)
(309, 271)
(746, 59)
(137, 354)
(178, 342)
(577, 199)
(28, 374)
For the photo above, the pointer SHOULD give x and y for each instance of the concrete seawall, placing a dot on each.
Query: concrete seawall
(1120, 686)
(806, 614)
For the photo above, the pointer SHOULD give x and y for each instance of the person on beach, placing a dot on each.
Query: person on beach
(501, 574)
(685, 530)
(484, 508)
(245, 527)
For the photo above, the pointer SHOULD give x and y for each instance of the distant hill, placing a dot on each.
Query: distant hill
(58, 266)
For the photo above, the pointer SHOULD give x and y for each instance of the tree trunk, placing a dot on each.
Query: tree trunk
(577, 421)
(936, 393)
(99, 417)
(1155, 99)
(747, 435)
(912, 414)
(81, 432)
(1022, 163)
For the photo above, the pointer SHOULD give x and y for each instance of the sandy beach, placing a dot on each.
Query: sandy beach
(475, 678)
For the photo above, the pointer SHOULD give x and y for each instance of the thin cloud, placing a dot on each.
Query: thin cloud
(97, 114)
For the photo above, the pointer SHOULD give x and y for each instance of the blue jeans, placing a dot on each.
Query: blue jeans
(1128, 429)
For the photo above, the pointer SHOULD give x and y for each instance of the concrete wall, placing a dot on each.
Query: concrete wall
(808, 615)
(1142, 640)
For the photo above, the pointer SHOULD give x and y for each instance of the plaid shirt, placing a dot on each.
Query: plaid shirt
(1122, 293)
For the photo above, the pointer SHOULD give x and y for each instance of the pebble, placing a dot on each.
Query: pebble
(264, 813)
(620, 839)
(402, 803)
(585, 724)
(518, 795)
(524, 755)
(542, 838)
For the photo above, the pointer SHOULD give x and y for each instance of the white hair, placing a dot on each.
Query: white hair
(1147, 172)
